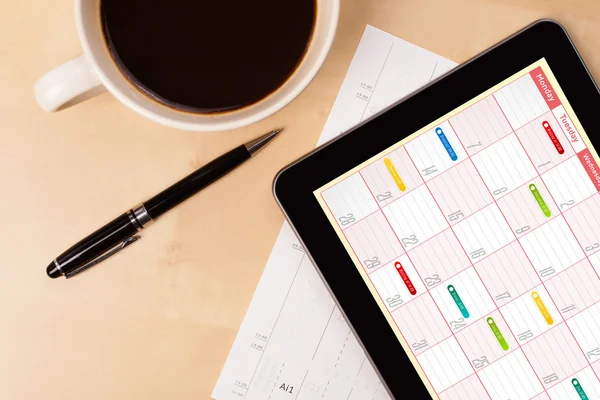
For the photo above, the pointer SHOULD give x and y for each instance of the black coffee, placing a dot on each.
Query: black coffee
(208, 56)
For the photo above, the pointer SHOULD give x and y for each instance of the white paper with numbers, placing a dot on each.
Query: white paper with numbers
(294, 342)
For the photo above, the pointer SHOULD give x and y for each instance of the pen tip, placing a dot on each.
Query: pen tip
(53, 271)
(259, 143)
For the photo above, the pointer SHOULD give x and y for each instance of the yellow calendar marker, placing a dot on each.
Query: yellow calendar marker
(395, 174)
(540, 304)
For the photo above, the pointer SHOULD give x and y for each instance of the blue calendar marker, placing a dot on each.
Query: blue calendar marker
(446, 143)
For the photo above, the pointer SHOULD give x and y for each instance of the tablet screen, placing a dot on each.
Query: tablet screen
(479, 238)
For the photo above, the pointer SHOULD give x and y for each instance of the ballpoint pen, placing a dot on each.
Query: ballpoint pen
(122, 231)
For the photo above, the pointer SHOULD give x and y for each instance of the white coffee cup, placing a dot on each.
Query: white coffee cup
(94, 71)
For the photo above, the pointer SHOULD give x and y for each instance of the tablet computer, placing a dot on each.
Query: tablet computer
(459, 232)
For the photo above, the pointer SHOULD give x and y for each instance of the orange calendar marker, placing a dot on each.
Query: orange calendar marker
(540, 304)
(395, 175)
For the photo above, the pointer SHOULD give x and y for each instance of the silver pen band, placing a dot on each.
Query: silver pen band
(134, 221)
(139, 217)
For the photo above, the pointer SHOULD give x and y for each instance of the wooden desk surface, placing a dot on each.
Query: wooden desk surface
(157, 321)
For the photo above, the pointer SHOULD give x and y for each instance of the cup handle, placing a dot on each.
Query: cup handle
(66, 85)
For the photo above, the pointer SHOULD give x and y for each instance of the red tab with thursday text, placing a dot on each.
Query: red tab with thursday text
(545, 88)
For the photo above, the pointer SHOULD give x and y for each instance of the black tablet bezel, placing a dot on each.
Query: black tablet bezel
(295, 184)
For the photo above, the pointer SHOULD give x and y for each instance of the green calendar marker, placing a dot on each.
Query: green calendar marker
(540, 200)
(497, 333)
(579, 389)
(458, 301)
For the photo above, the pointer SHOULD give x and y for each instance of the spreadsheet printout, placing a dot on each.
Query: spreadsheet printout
(294, 342)
(479, 237)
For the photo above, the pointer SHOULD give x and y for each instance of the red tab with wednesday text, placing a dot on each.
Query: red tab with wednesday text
(590, 166)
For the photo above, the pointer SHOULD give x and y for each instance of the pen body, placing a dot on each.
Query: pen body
(121, 232)
(93, 246)
(116, 232)
(196, 181)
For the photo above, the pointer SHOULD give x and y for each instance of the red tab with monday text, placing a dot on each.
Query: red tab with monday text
(545, 88)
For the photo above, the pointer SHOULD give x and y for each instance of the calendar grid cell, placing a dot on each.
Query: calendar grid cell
(582, 310)
(562, 380)
(404, 304)
(582, 217)
(542, 107)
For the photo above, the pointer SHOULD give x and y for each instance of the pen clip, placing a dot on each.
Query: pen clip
(111, 252)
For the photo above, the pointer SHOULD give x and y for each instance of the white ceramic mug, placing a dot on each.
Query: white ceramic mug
(94, 71)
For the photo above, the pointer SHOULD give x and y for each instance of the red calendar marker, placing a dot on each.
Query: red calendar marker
(553, 138)
(405, 278)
